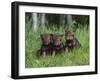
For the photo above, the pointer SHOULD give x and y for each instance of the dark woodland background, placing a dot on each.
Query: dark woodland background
(57, 20)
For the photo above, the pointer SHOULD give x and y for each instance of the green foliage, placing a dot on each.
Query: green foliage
(74, 58)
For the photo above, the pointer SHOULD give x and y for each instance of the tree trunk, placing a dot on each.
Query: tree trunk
(35, 21)
(43, 19)
(69, 19)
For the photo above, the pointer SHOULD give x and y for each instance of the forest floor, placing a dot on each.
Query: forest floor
(77, 57)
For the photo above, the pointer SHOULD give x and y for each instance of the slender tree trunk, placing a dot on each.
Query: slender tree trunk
(69, 19)
(35, 21)
(43, 18)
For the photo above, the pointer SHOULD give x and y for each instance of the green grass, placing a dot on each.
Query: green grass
(74, 58)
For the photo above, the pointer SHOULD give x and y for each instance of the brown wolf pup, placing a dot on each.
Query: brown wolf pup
(71, 41)
(46, 46)
(57, 44)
